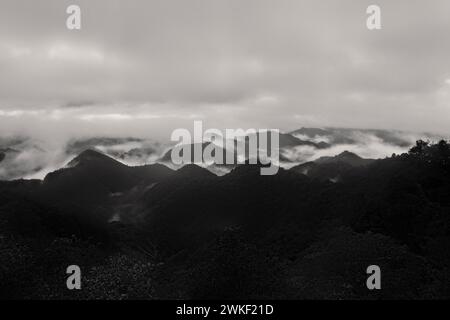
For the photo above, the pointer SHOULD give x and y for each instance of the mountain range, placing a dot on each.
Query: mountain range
(151, 232)
(30, 158)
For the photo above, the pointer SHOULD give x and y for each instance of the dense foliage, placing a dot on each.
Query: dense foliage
(189, 234)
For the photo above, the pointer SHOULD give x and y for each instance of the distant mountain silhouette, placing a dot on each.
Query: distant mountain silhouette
(288, 140)
(335, 136)
(332, 168)
(167, 157)
(79, 145)
(345, 157)
(311, 132)
(137, 153)
(285, 141)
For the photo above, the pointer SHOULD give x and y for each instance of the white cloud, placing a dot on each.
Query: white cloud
(108, 116)
(70, 53)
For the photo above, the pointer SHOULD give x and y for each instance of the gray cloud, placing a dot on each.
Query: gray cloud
(147, 67)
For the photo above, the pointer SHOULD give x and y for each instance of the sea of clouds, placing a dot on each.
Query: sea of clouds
(32, 158)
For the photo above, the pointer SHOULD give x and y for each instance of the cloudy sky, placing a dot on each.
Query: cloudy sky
(147, 67)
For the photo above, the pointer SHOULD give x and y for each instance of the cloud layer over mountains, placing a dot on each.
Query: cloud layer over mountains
(25, 157)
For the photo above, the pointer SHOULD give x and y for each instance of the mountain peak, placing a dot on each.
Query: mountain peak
(311, 132)
(345, 157)
(346, 154)
(91, 156)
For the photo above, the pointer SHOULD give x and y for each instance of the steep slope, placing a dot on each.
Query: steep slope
(332, 168)
(151, 173)
(167, 157)
(345, 157)
(91, 179)
(194, 205)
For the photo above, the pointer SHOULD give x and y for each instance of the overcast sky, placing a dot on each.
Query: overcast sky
(147, 67)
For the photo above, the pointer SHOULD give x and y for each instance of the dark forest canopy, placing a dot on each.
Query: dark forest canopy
(152, 232)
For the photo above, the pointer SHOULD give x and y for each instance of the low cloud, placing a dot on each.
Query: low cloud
(365, 143)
